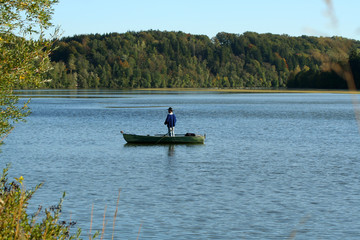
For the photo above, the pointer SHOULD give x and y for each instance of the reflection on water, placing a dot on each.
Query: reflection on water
(171, 151)
(155, 147)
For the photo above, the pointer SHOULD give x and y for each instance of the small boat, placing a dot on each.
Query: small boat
(164, 139)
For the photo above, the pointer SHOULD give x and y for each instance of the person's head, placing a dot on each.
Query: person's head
(170, 110)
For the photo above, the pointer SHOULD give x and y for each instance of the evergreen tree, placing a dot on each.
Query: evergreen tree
(175, 59)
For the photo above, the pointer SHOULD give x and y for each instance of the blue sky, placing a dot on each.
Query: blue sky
(292, 17)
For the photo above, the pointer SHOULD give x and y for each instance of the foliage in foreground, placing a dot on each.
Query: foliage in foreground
(16, 223)
(24, 54)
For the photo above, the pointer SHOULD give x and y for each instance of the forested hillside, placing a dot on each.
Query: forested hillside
(175, 59)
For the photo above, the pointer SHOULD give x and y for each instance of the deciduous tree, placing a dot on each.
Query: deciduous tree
(24, 52)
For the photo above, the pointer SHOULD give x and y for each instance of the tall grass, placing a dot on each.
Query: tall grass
(16, 223)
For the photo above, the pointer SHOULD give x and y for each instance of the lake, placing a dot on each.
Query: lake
(273, 166)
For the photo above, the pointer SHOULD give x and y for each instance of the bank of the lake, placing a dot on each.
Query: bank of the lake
(251, 90)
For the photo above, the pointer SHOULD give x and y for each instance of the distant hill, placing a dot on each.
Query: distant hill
(162, 59)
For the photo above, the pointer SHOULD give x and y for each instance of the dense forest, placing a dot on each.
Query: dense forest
(160, 59)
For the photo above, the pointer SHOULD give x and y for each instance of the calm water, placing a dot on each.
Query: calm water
(273, 165)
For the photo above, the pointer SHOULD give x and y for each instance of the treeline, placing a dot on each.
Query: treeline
(161, 59)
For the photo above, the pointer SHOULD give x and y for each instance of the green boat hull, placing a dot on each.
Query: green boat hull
(164, 139)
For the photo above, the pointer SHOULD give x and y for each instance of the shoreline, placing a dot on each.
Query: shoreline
(228, 90)
(250, 90)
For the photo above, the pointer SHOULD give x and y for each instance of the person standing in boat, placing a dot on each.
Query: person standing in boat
(170, 122)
